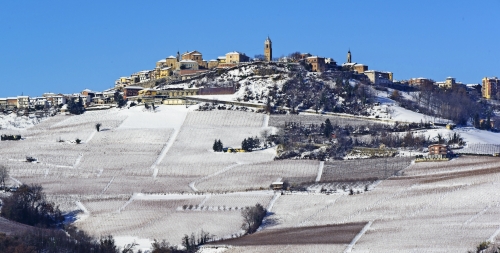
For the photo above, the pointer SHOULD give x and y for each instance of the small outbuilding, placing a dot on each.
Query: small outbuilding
(277, 186)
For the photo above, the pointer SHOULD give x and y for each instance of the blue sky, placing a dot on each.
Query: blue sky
(67, 46)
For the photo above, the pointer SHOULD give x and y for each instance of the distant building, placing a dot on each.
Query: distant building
(447, 84)
(213, 64)
(268, 49)
(490, 87)
(131, 91)
(147, 92)
(438, 149)
(420, 81)
(194, 56)
(164, 72)
(379, 77)
(353, 66)
(188, 64)
(236, 57)
(3, 102)
(23, 101)
(317, 63)
(12, 102)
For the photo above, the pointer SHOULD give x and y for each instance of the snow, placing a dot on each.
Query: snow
(142, 243)
(13, 122)
(403, 115)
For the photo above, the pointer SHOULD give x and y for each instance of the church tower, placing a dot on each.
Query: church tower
(349, 56)
(268, 49)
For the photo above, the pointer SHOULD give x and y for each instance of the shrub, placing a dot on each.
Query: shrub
(252, 218)
(28, 205)
(78, 141)
(5, 137)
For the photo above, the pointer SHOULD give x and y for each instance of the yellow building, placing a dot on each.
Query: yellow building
(213, 64)
(268, 49)
(236, 57)
(490, 87)
(161, 63)
(23, 101)
(148, 92)
(164, 72)
(171, 62)
(179, 92)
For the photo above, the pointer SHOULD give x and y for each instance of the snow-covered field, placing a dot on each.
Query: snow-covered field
(153, 175)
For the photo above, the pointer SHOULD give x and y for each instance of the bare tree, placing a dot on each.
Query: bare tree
(4, 174)
(252, 218)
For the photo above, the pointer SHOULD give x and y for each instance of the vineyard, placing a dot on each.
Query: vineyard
(479, 149)
(154, 175)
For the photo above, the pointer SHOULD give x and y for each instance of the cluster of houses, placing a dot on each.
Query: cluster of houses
(190, 64)
(47, 100)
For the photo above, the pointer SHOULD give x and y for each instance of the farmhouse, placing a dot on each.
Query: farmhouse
(439, 150)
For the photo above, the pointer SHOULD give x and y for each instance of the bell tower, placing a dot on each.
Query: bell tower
(268, 49)
(349, 56)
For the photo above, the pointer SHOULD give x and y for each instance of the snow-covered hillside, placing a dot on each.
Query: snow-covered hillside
(14, 122)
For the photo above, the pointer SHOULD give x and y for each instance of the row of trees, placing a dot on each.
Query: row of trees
(336, 140)
(76, 107)
(218, 146)
(28, 205)
(249, 144)
(455, 103)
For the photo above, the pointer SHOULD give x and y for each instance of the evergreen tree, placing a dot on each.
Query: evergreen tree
(75, 107)
(328, 130)
(120, 102)
(215, 147)
(220, 146)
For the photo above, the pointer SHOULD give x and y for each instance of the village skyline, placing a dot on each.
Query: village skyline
(59, 48)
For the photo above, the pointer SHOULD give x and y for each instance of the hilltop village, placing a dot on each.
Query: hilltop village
(168, 82)
(254, 154)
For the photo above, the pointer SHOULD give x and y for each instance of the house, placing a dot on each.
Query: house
(165, 71)
(420, 81)
(3, 102)
(213, 64)
(439, 150)
(236, 57)
(144, 75)
(317, 63)
(131, 91)
(188, 64)
(58, 100)
(379, 77)
(490, 87)
(40, 102)
(23, 101)
(178, 91)
(447, 84)
(161, 63)
(147, 92)
(356, 67)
